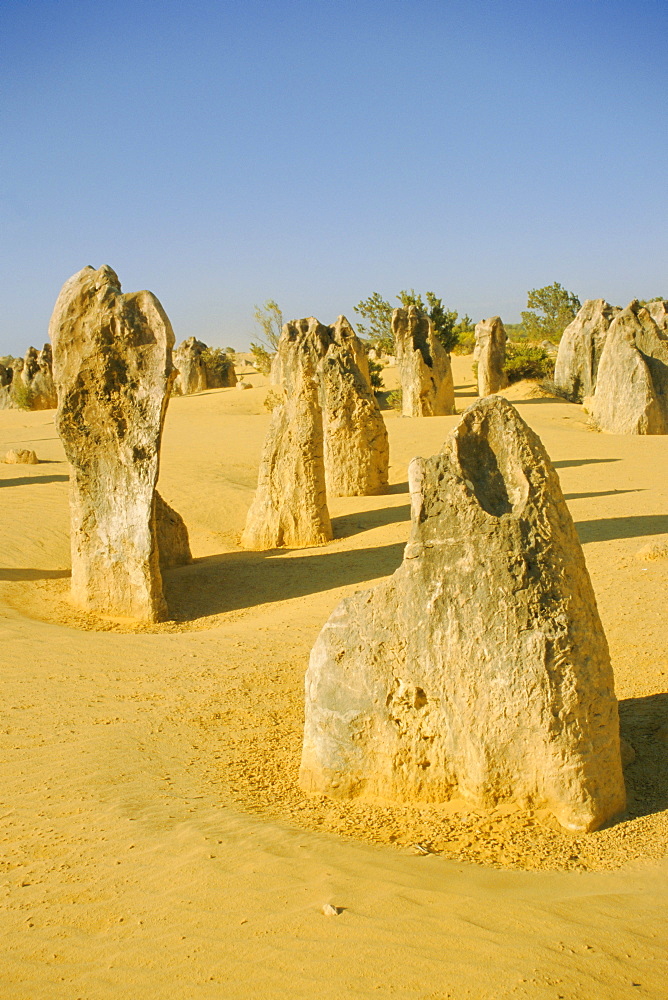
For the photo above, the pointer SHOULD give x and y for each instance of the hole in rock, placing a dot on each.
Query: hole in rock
(493, 470)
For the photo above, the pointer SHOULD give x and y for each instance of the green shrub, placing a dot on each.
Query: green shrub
(465, 343)
(22, 394)
(394, 399)
(217, 362)
(374, 373)
(272, 400)
(262, 358)
(527, 361)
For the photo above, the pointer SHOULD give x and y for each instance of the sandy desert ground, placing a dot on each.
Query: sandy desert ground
(153, 840)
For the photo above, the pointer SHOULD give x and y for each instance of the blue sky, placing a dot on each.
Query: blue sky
(222, 153)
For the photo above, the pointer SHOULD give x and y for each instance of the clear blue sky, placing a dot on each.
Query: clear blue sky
(315, 151)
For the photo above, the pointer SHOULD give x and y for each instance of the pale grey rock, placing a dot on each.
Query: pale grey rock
(631, 394)
(580, 349)
(171, 535)
(490, 353)
(356, 442)
(480, 668)
(424, 366)
(191, 374)
(290, 503)
(113, 369)
(355, 437)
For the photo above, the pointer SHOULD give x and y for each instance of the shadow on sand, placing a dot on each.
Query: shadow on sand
(27, 480)
(570, 463)
(608, 528)
(352, 524)
(16, 575)
(235, 580)
(644, 724)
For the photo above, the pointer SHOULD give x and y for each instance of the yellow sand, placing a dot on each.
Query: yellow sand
(153, 841)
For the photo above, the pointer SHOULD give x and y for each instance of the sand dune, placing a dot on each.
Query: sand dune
(154, 841)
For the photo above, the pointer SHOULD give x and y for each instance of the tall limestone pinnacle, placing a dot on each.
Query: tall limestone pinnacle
(356, 442)
(631, 395)
(480, 668)
(580, 349)
(290, 503)
(424, 366)
(112, 367)
(490, 353)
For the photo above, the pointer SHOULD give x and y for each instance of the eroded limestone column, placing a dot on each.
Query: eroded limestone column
(424, 366)
(490, 353)
(112, 366)
(480, 668)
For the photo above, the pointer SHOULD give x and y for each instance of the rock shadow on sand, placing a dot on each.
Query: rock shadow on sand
(644, 725)
(28, 480)
(234, 581)
(607, 529)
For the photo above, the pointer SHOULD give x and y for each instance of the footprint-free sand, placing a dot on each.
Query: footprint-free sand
(153, 840)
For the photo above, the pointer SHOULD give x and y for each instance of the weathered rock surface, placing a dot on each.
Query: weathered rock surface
(424, 366)
(355, 437)
(490, 353)
(631, 394)
(171, 534)
(290, 504)
(356, 443)
(580, 349)
(112, 369)
(191, 373)
(21, 456)
(480, 668)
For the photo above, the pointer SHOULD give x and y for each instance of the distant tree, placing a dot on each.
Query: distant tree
(551, 309)
(377, 314)
(270, 320)
(261, 357)
(643, 302)
(377, 311)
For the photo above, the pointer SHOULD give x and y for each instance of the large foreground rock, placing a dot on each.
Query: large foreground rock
(290, 503)
(424, 366)
(631, 394)
(480, 668)
(490, 353)
(580, 349)
(356, 443)
(112, 368)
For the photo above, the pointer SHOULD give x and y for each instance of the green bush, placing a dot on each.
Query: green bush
(527, 361)
(21, 394)
(465, 343)
(272, 400)
(374, 373)
(262, 358)
(217, 362)
(394, 399)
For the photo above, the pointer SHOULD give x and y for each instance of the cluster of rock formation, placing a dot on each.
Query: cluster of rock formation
(424, 366)
(27, 383)
(631, 392)
(490, 354)
(112, 366)
(480, 668)
(194, 374)
(327, 435)
(580, 349)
